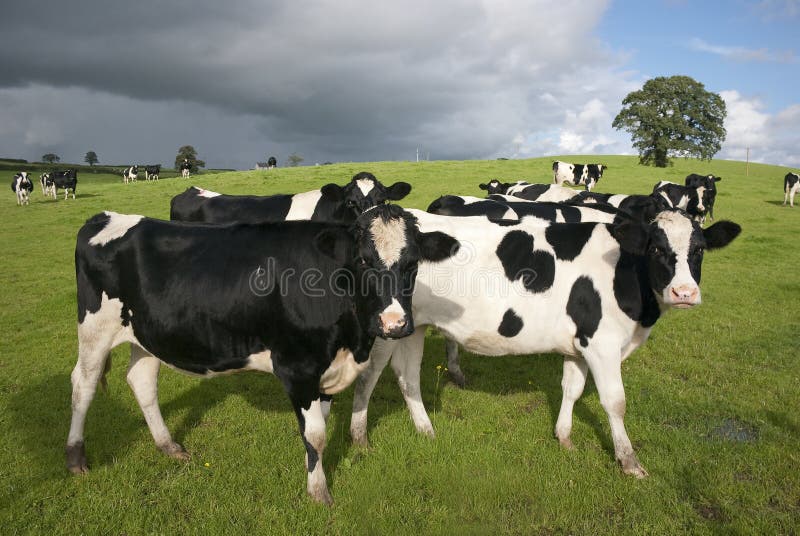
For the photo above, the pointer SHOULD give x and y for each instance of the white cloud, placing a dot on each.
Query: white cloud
(771, 138)
(737, 53)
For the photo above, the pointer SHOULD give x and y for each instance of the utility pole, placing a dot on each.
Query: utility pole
(417, 154)
(747, 167)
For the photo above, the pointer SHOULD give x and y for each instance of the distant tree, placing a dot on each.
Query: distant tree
(294, 159)
(673, 116)
(189, 153)
(91, 158)
(51, 158)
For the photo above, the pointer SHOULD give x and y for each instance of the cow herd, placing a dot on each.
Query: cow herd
(131, 174)
(52, 181)
(325, 288)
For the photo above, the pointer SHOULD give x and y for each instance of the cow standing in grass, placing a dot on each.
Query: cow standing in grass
(130, 174)
(186, 168)
(791, 183)
(151, 172)
(22, 185)
(589, 291)
(210, 300)
(577, 174)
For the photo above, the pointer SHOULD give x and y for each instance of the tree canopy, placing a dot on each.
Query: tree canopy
(189, 153)
(673, 116)
(294, 159)
(91, 158)
(51, 158)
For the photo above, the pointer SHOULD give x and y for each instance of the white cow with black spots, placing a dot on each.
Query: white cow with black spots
(589, 291)
(791, 183)
(22, 185)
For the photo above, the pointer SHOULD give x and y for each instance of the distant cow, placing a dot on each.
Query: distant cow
(130, 174)
(215, 299)
(494, 186)
(461, 205)
(151, 172)
(709, 182)
(65, 180)
(185, 168)
(693, 200)
(577, 174)
(272, 162)
(540, 192)
(47, 183)
(330, 203)
(791, 183)
(22, 185)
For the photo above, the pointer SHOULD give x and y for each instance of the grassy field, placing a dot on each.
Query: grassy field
(713, 397)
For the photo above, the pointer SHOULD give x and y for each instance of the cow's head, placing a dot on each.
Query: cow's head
(700, 200)
(494, 186)
(594, 174)
(363, 191)
(673, 246)
(383, 263)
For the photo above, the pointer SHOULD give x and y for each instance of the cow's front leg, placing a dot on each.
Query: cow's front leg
(606, 367)
(308, 406)
(364, 385)
(572, 384)
(406, 363)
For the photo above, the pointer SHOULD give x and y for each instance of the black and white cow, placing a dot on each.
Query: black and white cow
(47, 183)
(151, 172)
(464, 205)
(130, 174)
(693, 200)
(709, 182)
(186, 168)
(330, 203)
(589, 291)
(577, 174)
(272, 162)
(530, 192)
(791, 183)
(64, 180)
(22, 185)
(302, 300)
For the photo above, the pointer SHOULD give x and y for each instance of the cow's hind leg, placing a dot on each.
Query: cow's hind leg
(606, 367)
(572, 384)
(93, 349)
(453, 364)
(143, 379)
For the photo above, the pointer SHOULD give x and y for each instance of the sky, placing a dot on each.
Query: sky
(355, 81)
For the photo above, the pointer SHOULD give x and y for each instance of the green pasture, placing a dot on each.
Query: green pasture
(713, 397)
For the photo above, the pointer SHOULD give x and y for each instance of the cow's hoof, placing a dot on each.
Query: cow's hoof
(176, 451)
(76, 459)
(566, 443)
(321, 495)
(631, 466)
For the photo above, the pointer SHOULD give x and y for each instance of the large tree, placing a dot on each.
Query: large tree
(189, 153)
(673, 116)
(51, 158)
(91, 158)
(294, 159)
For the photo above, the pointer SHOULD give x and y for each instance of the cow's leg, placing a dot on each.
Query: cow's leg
(143, 379)
(364, 385)
(326, 401)
(310, 416)
(606, 367)
(406, 362)
(791, 197)
(93, 348)
(453, 365)
(572, 384)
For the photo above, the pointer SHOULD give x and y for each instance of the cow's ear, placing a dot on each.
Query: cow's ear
(333, 191)
(717, 179)
(721, 234)
(632, 236)
(483, 186)
(437, 246)
(334, 243)
(398, 191)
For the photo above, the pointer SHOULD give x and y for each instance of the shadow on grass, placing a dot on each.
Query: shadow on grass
(503, 375)
(775, 202)
(40, 414)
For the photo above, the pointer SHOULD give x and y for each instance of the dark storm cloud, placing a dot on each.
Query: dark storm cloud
(348, 80)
